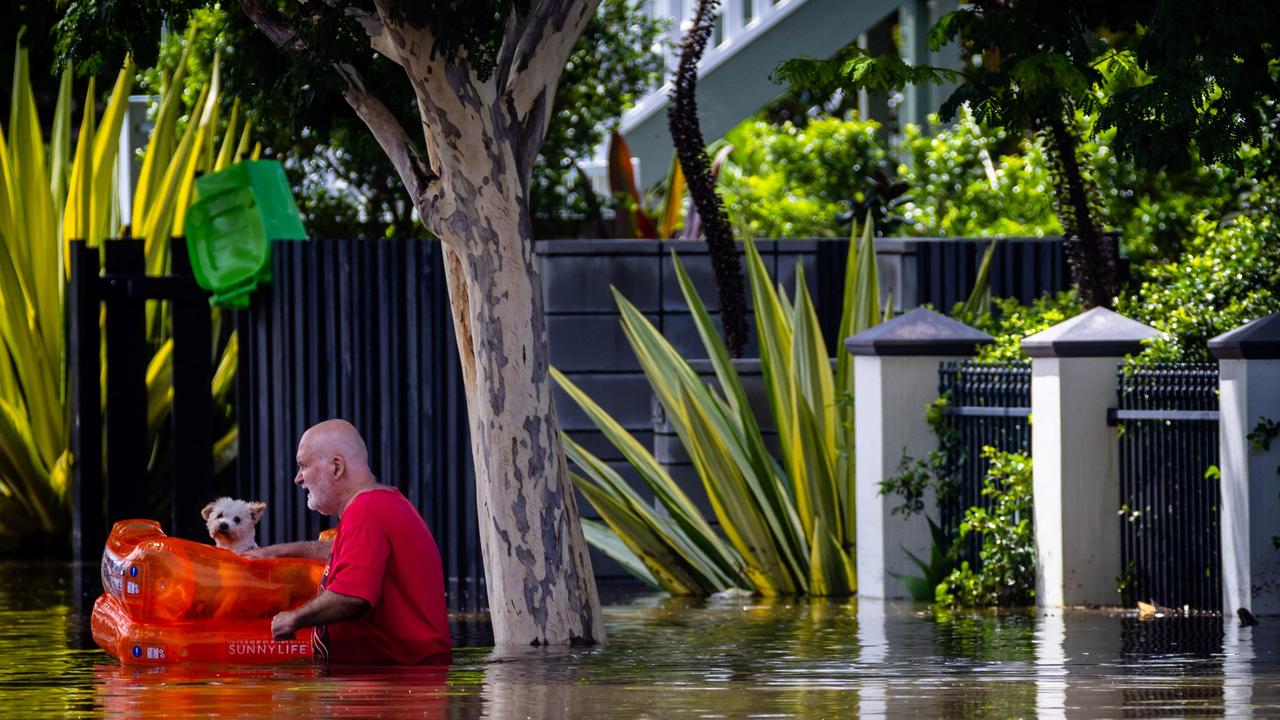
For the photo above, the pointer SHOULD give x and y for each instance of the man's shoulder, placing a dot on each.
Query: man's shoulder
(385, 503)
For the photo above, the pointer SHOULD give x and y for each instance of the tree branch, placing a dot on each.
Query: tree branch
(534, 67)
(379, 33)
(416, 175)
(277, 31)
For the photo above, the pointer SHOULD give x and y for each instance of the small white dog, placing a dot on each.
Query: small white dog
(233, 523)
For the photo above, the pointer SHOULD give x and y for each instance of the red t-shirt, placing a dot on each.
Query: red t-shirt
(384, 554)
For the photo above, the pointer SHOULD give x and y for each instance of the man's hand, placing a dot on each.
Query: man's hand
(284, 626)
(261, 553)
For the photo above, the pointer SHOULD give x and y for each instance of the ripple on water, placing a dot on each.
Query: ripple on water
(678, 658)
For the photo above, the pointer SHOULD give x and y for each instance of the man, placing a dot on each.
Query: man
(382, 596)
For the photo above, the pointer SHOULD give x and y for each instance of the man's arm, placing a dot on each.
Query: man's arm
(327, 607)
(314, 549)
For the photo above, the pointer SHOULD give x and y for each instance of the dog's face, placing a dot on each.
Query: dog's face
(232, 522)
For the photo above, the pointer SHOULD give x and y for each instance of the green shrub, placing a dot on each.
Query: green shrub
(1009, 321)
(1226, 277)
(962, 186)
(970, 181)
(786, 181)
(1007, 575)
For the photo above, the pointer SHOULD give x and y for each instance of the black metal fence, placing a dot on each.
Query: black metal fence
(360, 329)
(121, 489)
(1168, 420)
(987, 404)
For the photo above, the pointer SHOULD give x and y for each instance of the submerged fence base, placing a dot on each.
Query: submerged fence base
(1168, 421)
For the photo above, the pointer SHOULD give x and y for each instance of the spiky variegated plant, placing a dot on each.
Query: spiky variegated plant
(49, 196)
(789, 521)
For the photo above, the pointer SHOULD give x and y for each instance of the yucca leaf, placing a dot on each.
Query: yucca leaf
(774, 333)
(661, 540)
(739, 509)
(831, 568)
(866, 305)
(671, 377)
(690, 534)
(79, 205)
(60, 144)
(19, 450)
(979, 300)
(649, 546)
(201, 156)
(159, 381)
(228, 139)
(811, 363)
(106, 146)
(818, 482)
(224, 377)
(225, 449)
(672, 202)
(38, 259)
(34, 372)
(782, 515)
(243, 146)
(160, 146)
(668, 492)
(603, 538)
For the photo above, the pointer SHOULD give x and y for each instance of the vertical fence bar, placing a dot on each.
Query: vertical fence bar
(126, 417)
(1171, 546)
(88, 520)
(976, 389)
(192, 416)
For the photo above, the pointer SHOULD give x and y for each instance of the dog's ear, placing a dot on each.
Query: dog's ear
(208, 510)
(255, 510)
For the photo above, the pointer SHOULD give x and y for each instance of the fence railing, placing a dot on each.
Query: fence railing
(360, 329)
(1170, 498)
(987, 404)
(101, 495)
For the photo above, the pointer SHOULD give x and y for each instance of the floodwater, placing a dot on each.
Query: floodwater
(679, 658)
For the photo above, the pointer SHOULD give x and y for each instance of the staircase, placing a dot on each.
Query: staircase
(751, 38)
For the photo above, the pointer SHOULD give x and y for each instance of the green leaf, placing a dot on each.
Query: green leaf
(603, 538)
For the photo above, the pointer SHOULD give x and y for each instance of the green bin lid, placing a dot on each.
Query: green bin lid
(229, 228)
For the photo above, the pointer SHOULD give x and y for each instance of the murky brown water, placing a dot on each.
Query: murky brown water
(676, 658)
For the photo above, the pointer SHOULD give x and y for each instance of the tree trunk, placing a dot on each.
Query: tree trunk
(1091, 255)
(540, 583)
(482, 131)
(472, 192)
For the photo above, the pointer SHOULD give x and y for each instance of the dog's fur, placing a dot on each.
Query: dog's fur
(232, 523)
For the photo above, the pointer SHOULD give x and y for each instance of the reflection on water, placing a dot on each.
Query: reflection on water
(675, 658)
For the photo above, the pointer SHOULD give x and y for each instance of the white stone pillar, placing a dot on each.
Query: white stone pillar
(1249, 392)
(1075, 455)
(895, 378)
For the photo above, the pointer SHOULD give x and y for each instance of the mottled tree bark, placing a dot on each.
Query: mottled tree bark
(471, 189)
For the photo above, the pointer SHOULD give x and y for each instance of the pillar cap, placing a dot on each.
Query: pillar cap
(1097, 333)
(920, 333)
(1255, 340)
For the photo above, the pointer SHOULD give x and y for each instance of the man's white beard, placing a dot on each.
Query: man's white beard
(311, 502)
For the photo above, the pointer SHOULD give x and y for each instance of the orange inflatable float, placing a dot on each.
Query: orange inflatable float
(169, 600)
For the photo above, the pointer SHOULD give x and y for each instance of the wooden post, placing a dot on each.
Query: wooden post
(88, 519)
(126, 393)
(192, 417)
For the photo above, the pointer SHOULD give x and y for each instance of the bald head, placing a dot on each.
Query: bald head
(333, 466)
(337, 437)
